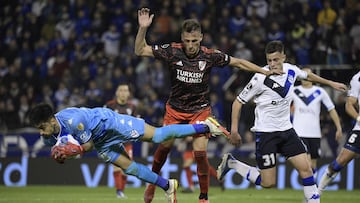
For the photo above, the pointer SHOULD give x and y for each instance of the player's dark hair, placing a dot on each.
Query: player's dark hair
(191, 25)
(274, 46)
(40, 113)
(123, 83)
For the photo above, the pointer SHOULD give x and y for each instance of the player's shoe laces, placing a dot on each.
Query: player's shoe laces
(204, 201)
(120, 194)
(223, 168)
(215, 127)
(149, 193)
(171, 192)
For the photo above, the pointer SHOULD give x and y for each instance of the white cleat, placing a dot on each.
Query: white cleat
(215, 127)
(171, 192)
(325, 180)
(223, 168)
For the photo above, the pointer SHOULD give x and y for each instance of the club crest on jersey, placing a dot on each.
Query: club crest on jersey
(80, 126)
(202, 65)
(291, 78)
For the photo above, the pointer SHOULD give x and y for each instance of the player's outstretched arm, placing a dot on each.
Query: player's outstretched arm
(248, 66)
(336, 85)
(145, 20)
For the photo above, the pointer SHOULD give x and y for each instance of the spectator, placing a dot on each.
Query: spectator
(111, 41)
(275, 32)
(65, 26)
(61, 94)
(237, 22)
(355, 36)
(93, 95)
(243, 52)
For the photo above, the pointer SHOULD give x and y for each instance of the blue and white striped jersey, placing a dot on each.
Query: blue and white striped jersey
(272, 96)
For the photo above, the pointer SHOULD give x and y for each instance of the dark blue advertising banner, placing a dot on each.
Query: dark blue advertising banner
(92, 172)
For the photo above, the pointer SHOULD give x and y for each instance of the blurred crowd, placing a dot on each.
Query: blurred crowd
(75, 52)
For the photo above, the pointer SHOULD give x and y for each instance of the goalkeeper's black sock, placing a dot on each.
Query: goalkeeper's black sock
(167, 186)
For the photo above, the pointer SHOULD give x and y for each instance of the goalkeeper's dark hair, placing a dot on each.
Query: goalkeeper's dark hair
(40, 113)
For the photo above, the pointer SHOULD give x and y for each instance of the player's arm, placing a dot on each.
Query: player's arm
(235, 137)
(350, 107)
(88, 146)
(335, 117)
(336, 85)
(145, 20)
(248, 66)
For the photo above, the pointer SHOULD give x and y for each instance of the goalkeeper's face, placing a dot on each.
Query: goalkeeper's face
(48, 128)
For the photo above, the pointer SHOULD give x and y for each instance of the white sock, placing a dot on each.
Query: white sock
(246, 171)
(326, 178)
(311, 194)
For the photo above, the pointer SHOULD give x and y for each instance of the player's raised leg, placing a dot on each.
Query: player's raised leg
(344, 157)
(248, 172)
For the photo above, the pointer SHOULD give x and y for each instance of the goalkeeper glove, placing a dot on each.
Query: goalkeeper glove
(70, 150)
(56, 155)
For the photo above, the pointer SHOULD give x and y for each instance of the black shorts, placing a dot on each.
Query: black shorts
(353, 141)
(313, 146)
(268, 144)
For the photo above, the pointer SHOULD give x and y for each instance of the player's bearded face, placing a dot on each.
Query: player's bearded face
(47, 129)
(191, 41)
(275, 60)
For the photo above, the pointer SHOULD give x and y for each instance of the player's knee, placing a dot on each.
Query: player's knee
(158, 136)
(267, 184)
(132, 169)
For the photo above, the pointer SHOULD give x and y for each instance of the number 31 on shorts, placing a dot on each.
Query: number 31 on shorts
(269, 159)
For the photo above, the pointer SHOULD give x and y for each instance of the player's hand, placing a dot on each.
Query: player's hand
(235, 138)
(70, 150)
(56, 155)
(338, 135)
(339, 86)
(144, 17)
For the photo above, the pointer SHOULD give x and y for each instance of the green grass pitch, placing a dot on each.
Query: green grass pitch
(70, 194)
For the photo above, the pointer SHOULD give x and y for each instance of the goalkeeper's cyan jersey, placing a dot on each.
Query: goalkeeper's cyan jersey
(102, 125)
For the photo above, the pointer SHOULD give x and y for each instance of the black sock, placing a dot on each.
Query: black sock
(203, 196)
(167, 186)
